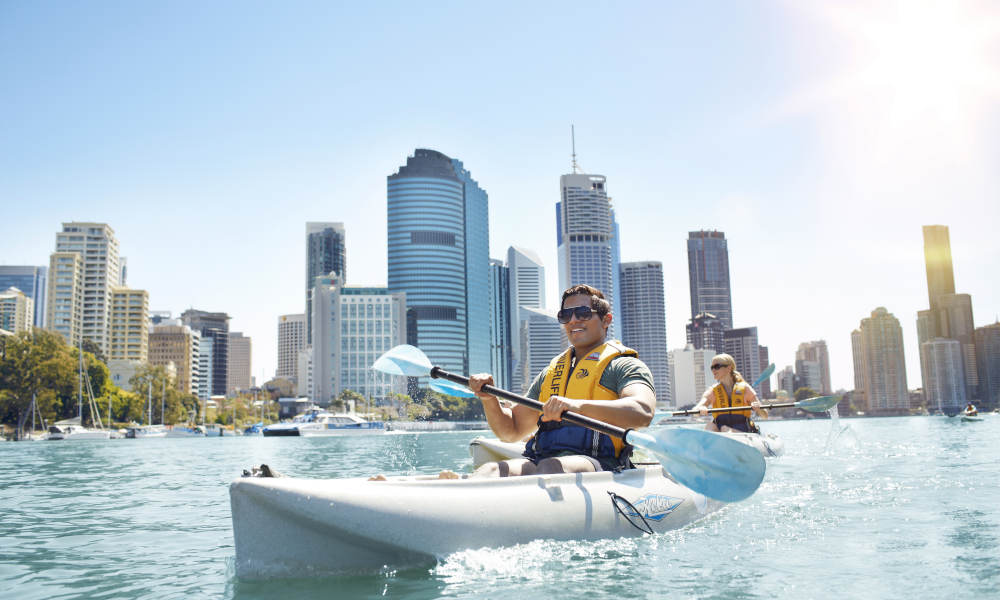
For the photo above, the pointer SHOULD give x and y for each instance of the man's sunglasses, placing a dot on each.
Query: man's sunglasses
(582, 313)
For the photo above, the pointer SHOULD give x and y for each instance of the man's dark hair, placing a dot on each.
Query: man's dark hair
(597, 301)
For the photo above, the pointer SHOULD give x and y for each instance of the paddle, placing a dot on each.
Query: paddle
(708, 463)
(816, 404)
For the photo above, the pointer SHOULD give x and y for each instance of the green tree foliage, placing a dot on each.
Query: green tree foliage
(804, 392)
(450, 408)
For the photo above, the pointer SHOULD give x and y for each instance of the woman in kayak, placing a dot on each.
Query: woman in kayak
(730, 390)
(595, 377)
(970, 410)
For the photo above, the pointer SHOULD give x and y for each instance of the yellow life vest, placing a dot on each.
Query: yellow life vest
(584, 382)
(737, 399)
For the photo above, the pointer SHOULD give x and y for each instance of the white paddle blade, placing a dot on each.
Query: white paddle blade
(709, 463)
(405, 360)
(449, 388)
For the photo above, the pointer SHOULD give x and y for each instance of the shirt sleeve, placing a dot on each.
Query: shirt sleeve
(624, 371)
(536, 386)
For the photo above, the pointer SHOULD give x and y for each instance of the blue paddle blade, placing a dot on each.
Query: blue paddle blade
(709, 463)
(405, 360)
(449, 388)
(767, 373)
(817, 404)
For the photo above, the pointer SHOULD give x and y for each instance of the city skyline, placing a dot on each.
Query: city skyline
(195, 150)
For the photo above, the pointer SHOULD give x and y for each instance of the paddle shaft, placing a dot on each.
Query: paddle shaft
(734, 409)
(572, 417)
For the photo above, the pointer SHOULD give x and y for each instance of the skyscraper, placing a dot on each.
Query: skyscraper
(16, 311)
(291, 339)
(214, 331)
(765, 361)
(644, 319)
(742, 344)
(880, 342)
(33, 281)
(170, 342)
(64, 298)
(690, 374)
(937, 258)
(326, 252)
(98, 249)
(945, 391)
(542, 339)
(708, 273)
(705, 332)
(988, 357)
(438, 251)
(239, 368)
(584, 236)
(129, 325)
(527, 288)
(816, 354)
(500, 347)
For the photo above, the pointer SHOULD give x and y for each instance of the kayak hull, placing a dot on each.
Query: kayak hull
(288, 527)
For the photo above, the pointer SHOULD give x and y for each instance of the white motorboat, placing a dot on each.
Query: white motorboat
(326, 424)
(484, 450)
(287, 527)
(71, 429)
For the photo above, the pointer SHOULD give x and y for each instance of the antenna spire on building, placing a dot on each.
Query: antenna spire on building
(572, 133)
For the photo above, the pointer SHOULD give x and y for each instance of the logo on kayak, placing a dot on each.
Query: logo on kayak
(593, 356)
(581, 373)
(654, 507)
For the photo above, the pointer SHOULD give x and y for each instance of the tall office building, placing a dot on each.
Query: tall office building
(64, 298)
(542, 339)
(207, 375)
(988, 357)
(98, 248)
(937, 260)
(438, 251)
(953, 317)
(765, 361)
(742, 344)
(33, 281)
(500, 348)
(786, 381)
(129, 325)
(708, 274)
(239, 367)
(816, 355)
(291, 339)
(352, 327)
(16, 311)
(326, 252)
(858, 356)
(705, 332)
(527, 288)
(882, 361)
(213, 327)
(644, 319)
(690, 372)
(945, 391)
(585, 235)
(171, 343)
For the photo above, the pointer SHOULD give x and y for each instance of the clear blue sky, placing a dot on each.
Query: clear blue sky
(819, 139)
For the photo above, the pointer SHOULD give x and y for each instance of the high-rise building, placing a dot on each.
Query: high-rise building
(171, 343)
(98, 248)
(786, 381)
(765, 361)
(879, 340)
(352, 327)
(207, 374)
(500, 348)
(742, 344)
(708, 274)
(705, 332)
(527, 288)
(584, 237)
(953, 317)
(16, 311)
(818, 375)
(690, 372)
(239, 367)
(988, 357)
(937, 259)
(213, 327)
(326, 252)
(945, 387)
(438, 255)
(64, 312)
(129, 325)
(542, 339)
(644, 319)
(291, 339)
(33, 281)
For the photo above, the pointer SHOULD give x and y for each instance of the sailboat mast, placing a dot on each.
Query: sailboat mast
(79, 385)
(163, 400)
(149, 401)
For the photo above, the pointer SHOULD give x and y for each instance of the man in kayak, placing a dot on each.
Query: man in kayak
(595, 377)
(970, 410)
(730, 390)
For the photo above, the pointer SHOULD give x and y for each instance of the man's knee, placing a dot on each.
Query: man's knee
(550, 465)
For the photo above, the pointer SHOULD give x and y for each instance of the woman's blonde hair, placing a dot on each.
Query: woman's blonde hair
(729, 361)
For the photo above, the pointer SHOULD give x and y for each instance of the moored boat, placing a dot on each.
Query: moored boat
(182, 432)
(71, 429)
(326, 424)
(145, 431)
(286, 527)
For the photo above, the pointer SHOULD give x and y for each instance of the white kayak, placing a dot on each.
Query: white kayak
(289, 527)
(484, 450)
(971, 418)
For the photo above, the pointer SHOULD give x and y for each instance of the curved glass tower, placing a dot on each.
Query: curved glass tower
(438, 254)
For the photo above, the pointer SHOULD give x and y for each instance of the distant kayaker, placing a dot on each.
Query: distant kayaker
(595, 377)
(730, 390)
(970, 410)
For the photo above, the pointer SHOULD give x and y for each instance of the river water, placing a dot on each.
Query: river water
(861, 508)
